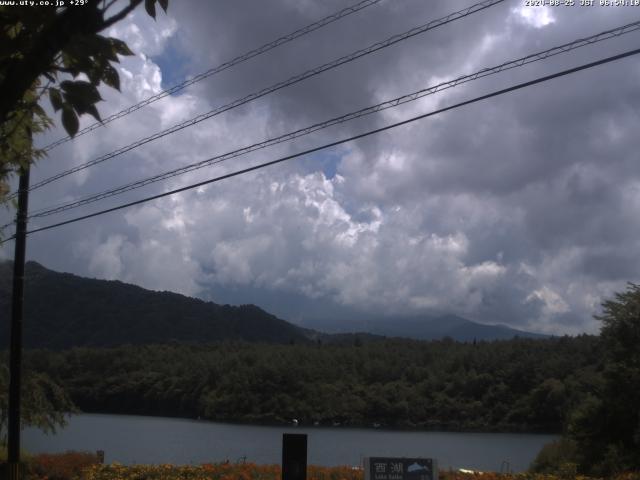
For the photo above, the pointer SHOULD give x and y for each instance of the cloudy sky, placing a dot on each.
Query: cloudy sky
(521, 210)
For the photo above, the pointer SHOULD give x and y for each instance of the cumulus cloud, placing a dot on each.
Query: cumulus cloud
(519, 210)
(537, 17)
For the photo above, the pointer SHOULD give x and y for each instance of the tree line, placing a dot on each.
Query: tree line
(587, 388)
(518, 385)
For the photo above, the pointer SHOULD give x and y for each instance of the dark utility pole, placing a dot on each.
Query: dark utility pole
(294, 456)
(15, 356)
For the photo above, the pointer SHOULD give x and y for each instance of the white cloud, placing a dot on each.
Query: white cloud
(537, 17)
(144, 34)
(495, 212)
(106, 261)
(293, 235)
(553, 303)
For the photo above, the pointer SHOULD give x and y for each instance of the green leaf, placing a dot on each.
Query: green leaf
(103, 47)
(95, 74)
(56, 99)
(67, 59)
(88, 53)
(39, 111)
(150, 7)
(80, 94)
(164, 4)
(82, 97)
(93, 111)
(121, 47)
(69, 120)
(110, 77)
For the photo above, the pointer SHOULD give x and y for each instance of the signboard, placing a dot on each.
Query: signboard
(389, 468)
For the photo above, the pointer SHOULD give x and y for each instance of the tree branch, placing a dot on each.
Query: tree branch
(120, 15)
(21, 74)
(108, 5)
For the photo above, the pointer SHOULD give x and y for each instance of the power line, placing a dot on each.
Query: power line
(292, 80)
(339, 142)
(220, 68)
(535, 57)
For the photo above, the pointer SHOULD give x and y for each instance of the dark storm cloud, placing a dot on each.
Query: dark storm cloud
(343, 89)
(519, 210)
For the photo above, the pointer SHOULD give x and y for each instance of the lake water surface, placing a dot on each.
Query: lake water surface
(133, 439)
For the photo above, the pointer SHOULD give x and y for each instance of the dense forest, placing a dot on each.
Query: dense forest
(586, 387)
(517, 385)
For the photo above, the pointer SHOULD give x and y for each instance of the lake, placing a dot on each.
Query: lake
(134, 439)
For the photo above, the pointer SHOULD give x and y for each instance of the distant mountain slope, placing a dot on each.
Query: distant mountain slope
(64, 310)
(425, 328)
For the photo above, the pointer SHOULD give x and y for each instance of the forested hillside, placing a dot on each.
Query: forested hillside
(64, 310)
(517, 385)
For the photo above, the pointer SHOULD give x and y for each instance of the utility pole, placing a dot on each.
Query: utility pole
(15, 348)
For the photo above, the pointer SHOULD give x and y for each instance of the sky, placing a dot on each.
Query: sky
(520, 210)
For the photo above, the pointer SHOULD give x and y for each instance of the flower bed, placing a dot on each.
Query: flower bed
(85, 466)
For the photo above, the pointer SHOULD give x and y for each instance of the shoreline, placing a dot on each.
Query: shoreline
(354, 426)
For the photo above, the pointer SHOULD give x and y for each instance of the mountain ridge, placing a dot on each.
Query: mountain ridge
(425, 327)
(64, 310)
